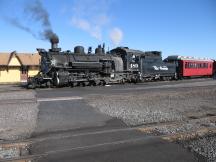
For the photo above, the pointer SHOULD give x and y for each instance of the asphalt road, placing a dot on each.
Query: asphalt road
(138, 150)
(68, 129)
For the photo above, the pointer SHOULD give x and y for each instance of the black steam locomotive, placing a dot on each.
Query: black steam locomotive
(119, 65)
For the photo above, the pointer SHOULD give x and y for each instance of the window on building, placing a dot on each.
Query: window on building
(24, 70)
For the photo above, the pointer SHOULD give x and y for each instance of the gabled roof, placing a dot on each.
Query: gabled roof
(29, 59)
(26, 59)
(4, 58)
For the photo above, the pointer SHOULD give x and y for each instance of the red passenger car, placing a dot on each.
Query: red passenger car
(192, 67)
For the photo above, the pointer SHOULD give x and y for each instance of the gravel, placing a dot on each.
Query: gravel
(9, 153)
(180, 106)
(204, 147)
(17, 117)
(156, 106)
(185, 126)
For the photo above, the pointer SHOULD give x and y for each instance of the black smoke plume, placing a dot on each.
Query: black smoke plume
(16, 23)
(38, 15)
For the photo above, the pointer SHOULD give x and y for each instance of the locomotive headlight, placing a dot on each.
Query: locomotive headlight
(133, 66)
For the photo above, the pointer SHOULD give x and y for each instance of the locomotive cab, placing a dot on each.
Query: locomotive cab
(131, 58)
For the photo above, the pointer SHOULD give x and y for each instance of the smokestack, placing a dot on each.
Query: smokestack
(54, 40)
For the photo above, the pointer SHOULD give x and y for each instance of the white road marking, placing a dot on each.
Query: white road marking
(59, 99)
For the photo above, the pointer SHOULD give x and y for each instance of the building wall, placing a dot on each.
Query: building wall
(9, 74)
(12, 74)
(14, 61)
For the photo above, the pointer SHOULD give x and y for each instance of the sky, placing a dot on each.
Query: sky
(175, 27)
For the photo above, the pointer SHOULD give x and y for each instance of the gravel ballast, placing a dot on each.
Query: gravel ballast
(204, 147)
(17, 117)
(156, 106)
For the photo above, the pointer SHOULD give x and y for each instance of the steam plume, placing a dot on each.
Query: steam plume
(116, 36)
(93, 17)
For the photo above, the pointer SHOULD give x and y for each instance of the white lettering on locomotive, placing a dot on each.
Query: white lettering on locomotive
(134, 65)
(160, 67)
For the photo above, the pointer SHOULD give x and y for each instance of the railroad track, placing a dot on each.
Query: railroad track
(21, 151)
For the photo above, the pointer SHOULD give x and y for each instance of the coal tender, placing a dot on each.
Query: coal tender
(144, 66)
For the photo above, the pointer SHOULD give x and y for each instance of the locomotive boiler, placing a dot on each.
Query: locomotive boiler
(66, 68)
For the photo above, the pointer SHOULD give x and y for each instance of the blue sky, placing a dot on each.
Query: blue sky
(184, 27)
